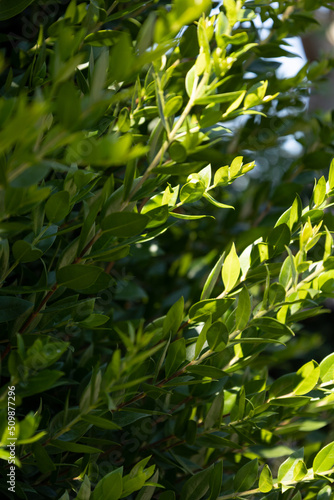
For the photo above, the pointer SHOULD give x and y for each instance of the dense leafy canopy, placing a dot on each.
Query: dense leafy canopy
(162, 253)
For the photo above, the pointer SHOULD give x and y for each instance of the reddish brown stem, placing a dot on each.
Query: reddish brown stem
(142, 395)
(87, 247)
(55, 286)
(184, 325)
(39, 308)
(139, 396)
(109, 267)
(6, 351)
(143, 203)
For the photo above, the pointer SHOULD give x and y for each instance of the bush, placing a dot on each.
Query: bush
(162, 255)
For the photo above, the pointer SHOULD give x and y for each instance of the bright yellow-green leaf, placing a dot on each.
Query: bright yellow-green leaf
(231, 269)
(286, 469)
(265, 480)
(327, 368)
(309, 375)
(324, 460)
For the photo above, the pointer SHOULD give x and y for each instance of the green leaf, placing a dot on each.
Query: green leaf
(204, 175)
(299, 471)
(131, 484)
(130, 174)
(331, 175)
(295, 213)
(85, 489)
(203, 309)
(188, 217)
(102, 423)
(197, 486)
(293, 401)
(65, 496)
(124, 122)
(291, 216)
(9, 9)
(32, 175)
(325, 493)
(147, 492)
(221, 176)
(103, 282)
(73, 447)
(254, 340)
(89, 223)
(201, 339)
(324, 459)
(109, 256)
(78, 276)
(219, 98)
(4, 257)
(215, 413)
(276, 294)
(25, 252)
(167, 495)
(235, 104)
(191, 81)
(40, 382)
(44, 352)
(246, 15)
(103, 38)
(294, 274)
(216, 481)
(286, 469)
(216, 203)
(177, 152)
(285, 276)
(58, 206)
(279, 238)
(105, 151)
(231, 269)
(68, 106)
(109, 487)
(243, 310)
(284, 385)
(231, 11)
(235, 167)
(212, 278)
(139, 467)
(271, 326)
(246, 476)
(319, 192)
(44, 462)
(215, 441)
(192, 191)
(191, 432)
(176, 355)
(173, 105)
(327, 368)
(207, 371)
(94, 320)
(266, 480)
(309, 373)
(124, 224)
(222, 27)
(11, 308)
(255, 94)
(173, 318)
(217, 336)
